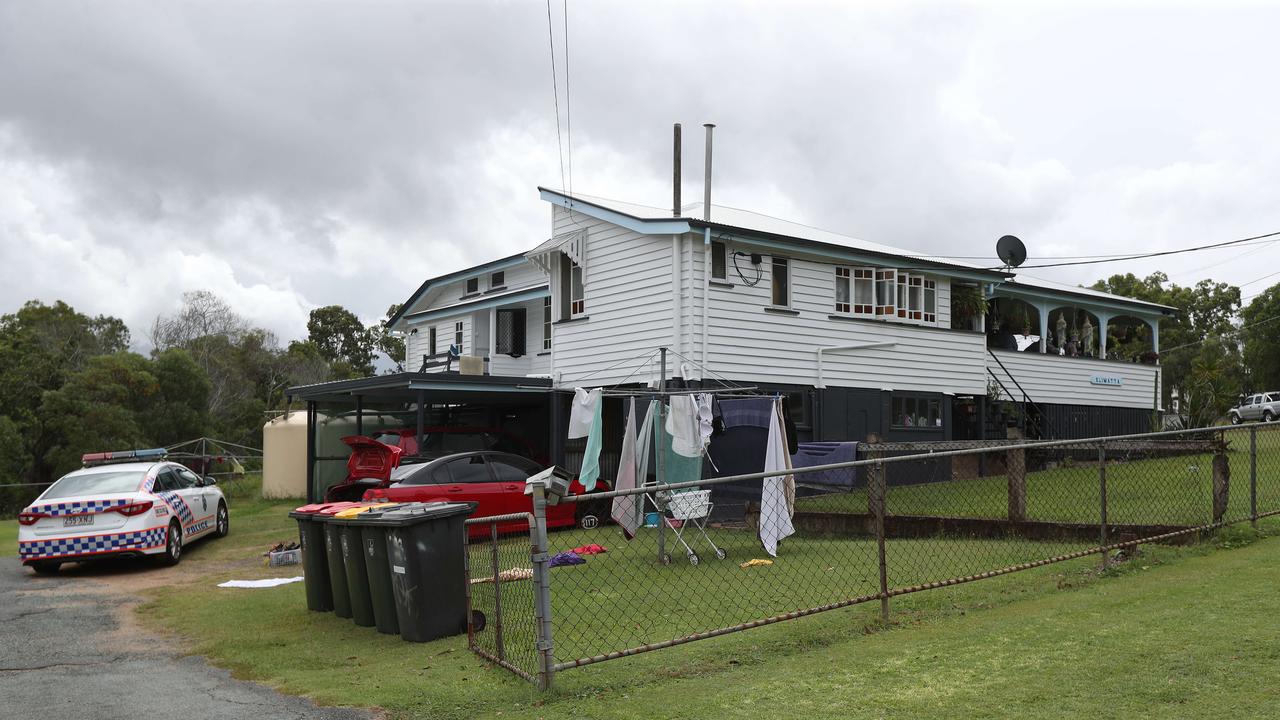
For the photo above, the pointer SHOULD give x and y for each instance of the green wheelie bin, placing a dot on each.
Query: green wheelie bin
(315, 562)
(333, 557)
(359, 588)
(425, 545)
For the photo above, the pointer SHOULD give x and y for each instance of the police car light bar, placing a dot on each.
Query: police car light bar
(102, 458)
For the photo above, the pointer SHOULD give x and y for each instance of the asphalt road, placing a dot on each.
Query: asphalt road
(65, 654)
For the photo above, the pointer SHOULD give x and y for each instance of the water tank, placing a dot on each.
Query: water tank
(284, 456)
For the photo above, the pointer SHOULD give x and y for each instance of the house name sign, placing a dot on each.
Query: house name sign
(1114, 380)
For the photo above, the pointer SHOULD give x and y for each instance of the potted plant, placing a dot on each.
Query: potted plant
(967, 304)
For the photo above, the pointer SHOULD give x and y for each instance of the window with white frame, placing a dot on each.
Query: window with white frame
(572, 293)
(718, 257)
(915, 296)
(781, 279)
(473, 286)
(904, 295)
(930, 300)
(457, 336)
(885, 293)
(497, 280)
(546, 323)
(844, 289)
(431, 340)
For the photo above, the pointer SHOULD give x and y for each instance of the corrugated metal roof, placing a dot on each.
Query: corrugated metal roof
(1035, 283)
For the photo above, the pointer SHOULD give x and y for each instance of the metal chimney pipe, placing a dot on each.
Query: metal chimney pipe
(675, 180)
(706, 182)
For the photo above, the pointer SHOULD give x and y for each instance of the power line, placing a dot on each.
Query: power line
(555, 92)
(1264, 277)
(1237, 331)
(568, 106)
(1141, 256)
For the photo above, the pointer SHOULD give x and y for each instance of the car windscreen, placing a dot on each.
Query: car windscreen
(99, 483)
(404, 471)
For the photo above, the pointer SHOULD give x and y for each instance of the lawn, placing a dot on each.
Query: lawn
(1153, 638)
(1172, 491)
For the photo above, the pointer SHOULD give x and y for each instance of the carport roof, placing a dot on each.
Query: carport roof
(440, 387)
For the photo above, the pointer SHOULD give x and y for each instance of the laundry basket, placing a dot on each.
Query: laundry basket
(692, 505)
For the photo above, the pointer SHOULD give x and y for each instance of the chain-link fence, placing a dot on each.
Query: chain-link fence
(902, 518)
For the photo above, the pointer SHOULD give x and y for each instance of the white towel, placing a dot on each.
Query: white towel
(269, 582)
(682, 425)
(624, 511)
(775, 513)
(582, 412)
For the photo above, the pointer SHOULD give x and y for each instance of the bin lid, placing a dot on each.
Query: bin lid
(364, 508)
(332, 509)
(414, 513)
(314, 509)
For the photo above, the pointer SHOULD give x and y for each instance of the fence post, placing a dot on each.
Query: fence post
(1221, 481)
(877, 489)
(542, 588)
(1016, 472)
(873, 471)
(1102, 502)
(1253, 476)
(498, 643)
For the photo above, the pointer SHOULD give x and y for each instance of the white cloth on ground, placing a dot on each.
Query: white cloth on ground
(269, 582)
(682, 426)
(583, 412)
(775, 513)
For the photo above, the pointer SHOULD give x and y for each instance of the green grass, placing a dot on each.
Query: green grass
(1170, 491)
(1177, 633)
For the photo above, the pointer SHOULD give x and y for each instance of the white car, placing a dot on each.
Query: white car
(120, 504)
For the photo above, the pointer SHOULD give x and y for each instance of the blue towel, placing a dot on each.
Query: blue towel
(747, 412)
(826, 453)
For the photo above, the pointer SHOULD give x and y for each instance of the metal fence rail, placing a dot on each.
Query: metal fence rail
(905, 523)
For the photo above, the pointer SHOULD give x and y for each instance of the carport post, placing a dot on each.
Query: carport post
(421, 416)
(542, 588)
(311, 450)
(359, 414)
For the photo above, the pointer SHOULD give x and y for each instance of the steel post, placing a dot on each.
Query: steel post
(498, 644)
(542, 589)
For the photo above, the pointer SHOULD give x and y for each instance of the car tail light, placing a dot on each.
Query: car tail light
(30, 518)
(134, 508)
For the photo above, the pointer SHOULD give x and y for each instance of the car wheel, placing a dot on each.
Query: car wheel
(172, 545)
(223, 522)
(1235, 419)
(1267, 416)
(46, 567)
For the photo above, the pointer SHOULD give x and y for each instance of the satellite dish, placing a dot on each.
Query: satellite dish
(1011, 251)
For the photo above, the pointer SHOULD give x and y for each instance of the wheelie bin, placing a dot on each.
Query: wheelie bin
(348, 523)
(315, 563)
(425, 545)
(333, 557)
(373, 542)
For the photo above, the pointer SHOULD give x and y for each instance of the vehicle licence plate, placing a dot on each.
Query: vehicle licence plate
(77, 520)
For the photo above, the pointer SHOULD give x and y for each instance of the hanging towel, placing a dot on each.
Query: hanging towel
(582, 413)
(590, 471)
(826, 453)
(675, 466)
(625, 509)
(683, 426)
(775, 512)
(746, 412)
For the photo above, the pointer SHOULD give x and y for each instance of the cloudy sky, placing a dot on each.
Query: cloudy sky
(288, 155)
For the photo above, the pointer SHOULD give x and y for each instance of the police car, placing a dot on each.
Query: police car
(127, 503)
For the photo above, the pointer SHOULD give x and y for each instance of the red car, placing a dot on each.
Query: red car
(493, 480)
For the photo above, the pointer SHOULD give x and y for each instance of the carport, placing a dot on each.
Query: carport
(520, 407)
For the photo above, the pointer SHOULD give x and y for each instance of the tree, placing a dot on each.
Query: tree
(1261, 336)
(342, 340)
(181, 411)
(391, 344)
(40, 347)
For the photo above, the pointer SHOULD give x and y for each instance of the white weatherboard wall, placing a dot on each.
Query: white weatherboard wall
(417, 344)
(748, 343)
(531, 363)
(628, 303)
(1067, 380)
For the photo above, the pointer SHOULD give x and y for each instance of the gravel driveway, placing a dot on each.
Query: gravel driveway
(69, 649)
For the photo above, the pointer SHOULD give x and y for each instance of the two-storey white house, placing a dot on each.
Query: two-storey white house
(864, 337)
